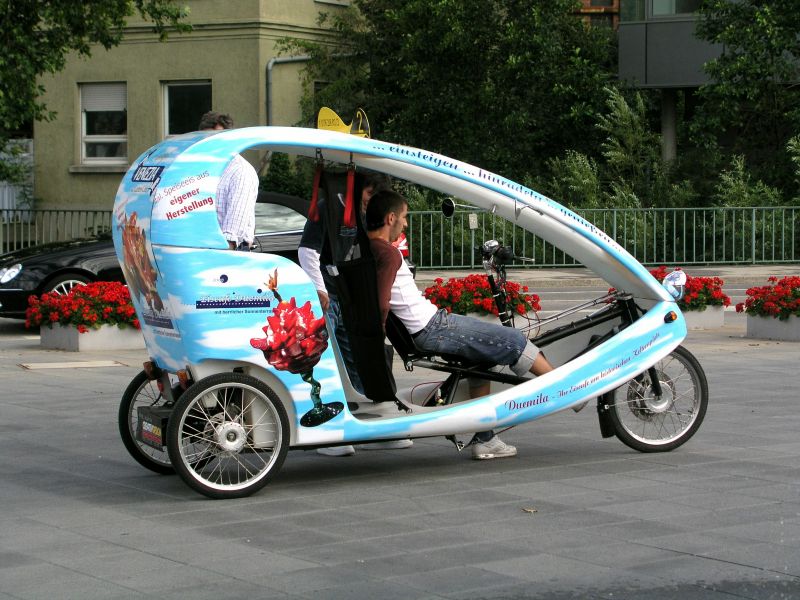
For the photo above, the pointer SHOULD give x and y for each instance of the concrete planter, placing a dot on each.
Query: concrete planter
(770, 328)
(709, 318)
(108, 337)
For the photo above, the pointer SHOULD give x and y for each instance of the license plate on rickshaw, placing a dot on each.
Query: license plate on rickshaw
(152, 426)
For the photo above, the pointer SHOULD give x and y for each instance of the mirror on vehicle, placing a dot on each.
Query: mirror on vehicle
(449, 207)
(675, 284)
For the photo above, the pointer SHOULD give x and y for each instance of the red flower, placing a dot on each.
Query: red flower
(84, 307)
(700, 291)
(471, 294)
(780, 299)
(294, 338)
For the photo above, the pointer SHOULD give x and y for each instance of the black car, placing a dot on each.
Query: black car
(59, 266)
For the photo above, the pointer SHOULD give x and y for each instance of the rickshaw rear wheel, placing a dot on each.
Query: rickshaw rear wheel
(648, 423)
(142, 392)
(228, 435)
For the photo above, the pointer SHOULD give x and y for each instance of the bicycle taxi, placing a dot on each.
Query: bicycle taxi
(243, 368)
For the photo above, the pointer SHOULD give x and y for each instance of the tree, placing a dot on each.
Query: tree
(752, 106)
(38, 35)
(505, 84)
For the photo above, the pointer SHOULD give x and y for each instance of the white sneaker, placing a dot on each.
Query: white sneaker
(494, 448)
(337, 451)
(391, 445)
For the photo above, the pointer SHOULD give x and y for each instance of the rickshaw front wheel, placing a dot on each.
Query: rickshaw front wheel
(650, 423)
(228, 435)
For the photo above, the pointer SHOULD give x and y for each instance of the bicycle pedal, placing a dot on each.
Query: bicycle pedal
(458, 443)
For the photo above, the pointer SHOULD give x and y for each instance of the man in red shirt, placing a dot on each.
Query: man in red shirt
(435, 330)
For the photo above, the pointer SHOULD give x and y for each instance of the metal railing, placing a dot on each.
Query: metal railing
(668, 236)
(656, 236)
(20, 228)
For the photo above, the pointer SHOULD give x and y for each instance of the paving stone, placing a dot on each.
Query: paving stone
(717, 519)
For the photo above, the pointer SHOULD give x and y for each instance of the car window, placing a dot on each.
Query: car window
(271, 218)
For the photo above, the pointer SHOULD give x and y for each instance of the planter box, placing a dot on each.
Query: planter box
(710, 318)
(770, 328)
(108, 337)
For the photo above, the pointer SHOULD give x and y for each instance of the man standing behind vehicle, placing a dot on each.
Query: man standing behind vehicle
(237, 191)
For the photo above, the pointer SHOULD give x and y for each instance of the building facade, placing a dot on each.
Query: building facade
(113, 106)
(658, 49)
(600, 12)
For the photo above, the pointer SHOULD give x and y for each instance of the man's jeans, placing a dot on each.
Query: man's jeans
(477, 341)
(334, 316)
(472, 339)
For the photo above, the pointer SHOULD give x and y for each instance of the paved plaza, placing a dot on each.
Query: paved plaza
(573, 516)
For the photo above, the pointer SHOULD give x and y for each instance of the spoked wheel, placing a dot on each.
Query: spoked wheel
(650, 423)
(63, 284)
(228, 435)
(142, 392)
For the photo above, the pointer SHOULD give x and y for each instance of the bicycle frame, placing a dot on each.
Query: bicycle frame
(622, 307)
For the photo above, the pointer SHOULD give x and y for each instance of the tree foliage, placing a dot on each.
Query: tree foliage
(506, 84)
(752, 106)
(736, 188)
(38, 35)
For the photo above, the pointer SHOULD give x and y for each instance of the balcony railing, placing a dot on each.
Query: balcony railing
(654, 236)
(20, 228)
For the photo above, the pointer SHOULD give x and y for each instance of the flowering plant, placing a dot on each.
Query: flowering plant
(85, 306)
(780, 299)
(700, 291)
(295, 339)
(472, 294)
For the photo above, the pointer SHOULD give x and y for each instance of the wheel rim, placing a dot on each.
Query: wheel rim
(659, 421)
(217, 440)
(147, 395)
(64, 287)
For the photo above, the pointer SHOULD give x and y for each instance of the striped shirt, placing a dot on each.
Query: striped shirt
(236, 201)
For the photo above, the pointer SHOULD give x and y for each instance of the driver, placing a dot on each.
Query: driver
(435, 330)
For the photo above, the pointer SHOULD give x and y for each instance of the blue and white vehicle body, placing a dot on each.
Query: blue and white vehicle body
(200, 304)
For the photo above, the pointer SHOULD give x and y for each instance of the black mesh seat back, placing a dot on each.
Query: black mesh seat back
(357, 290)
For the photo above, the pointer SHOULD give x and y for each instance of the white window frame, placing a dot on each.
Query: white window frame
(108, 96)
(165, 86)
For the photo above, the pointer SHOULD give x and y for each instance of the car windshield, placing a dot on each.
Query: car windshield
(271, 218)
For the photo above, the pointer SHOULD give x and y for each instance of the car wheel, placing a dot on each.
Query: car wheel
(64, 283)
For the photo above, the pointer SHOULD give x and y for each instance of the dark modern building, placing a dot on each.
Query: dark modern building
(600, 12)
(658, 49)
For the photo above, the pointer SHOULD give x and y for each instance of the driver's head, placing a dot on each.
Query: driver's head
(214, 120)
(387, 211)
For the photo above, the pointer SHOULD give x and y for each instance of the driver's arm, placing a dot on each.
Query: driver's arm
(309, 261)
(309, 254)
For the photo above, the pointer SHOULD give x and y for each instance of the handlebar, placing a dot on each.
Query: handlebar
(494, 255)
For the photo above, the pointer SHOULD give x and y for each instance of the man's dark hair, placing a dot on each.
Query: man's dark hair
(380, 205)
(377, 181)
(213, 118)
